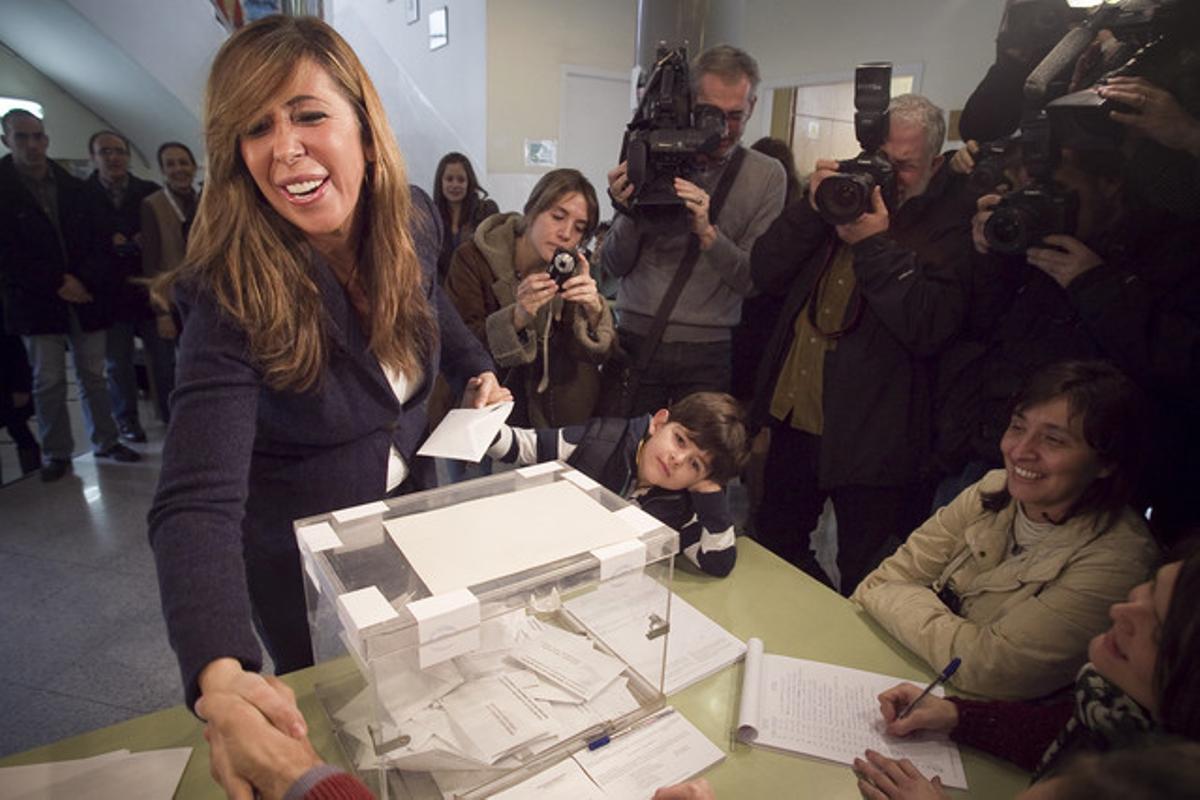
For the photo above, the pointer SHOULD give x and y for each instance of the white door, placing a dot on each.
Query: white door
(595, 111)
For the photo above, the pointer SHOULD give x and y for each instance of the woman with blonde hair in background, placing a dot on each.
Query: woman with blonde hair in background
(311, 333)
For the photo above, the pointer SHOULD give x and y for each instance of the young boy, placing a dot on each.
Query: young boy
(673, 464)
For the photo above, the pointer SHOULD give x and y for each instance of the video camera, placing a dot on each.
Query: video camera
(1155, 39)
(1023, 217)
(668, 129)
(846, 196)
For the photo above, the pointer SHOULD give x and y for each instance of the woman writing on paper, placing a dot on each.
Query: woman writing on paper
(1017, 573)
(311, 333)
(550, 336)
(1143, 679)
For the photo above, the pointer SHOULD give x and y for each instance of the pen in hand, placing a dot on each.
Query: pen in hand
(949, 671)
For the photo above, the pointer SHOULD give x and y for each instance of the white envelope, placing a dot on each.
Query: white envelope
(465, 434)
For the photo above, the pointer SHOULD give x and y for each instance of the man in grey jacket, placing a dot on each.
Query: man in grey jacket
(694, 354)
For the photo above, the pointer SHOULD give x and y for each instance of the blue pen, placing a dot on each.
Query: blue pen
(950, 669)
(603, 739)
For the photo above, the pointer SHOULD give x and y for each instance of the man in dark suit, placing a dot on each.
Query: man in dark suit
(115, 196)
(49, 287)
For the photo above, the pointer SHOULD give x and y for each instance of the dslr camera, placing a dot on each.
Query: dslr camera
(992, 163)
(1023, 217)
(846, 196)
(562, 266)
(668, 129)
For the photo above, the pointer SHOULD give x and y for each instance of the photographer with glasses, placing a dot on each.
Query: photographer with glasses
(871, 297)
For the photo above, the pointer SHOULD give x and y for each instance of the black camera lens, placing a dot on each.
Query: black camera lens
(561, 266)
(844, 198)
(1009, 230)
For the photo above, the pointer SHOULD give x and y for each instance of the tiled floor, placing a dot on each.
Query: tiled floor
(83, 641)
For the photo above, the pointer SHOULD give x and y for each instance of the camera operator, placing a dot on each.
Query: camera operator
(1122, 286)
(845, 381)
(694, 352)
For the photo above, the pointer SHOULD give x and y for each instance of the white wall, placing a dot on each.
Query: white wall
(96, 63)
(953, 40)
(436, 100)
(529, 44)
(68, 124)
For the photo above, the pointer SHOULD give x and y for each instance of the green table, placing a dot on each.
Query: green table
(764, 597)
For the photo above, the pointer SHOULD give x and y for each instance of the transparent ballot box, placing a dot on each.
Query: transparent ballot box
(453, 612)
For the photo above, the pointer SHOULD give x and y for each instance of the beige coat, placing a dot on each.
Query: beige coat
(1026, 622)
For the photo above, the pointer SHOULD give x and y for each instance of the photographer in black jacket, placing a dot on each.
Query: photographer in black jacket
(845, 381)
(1123, 286)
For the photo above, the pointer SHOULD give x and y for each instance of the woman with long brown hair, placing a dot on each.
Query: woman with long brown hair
(462, 203)
(312, 331)
(548, 336)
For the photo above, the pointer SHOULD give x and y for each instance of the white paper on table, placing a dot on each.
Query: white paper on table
(619, 616)
(831, 712)
(566, 780)
(151, 775)
(582, 673)
(16, 781)
(465, 434)
(493, 717)
(479, 540)
(664, 750)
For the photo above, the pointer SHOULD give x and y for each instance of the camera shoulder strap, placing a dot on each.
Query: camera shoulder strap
(688, 264)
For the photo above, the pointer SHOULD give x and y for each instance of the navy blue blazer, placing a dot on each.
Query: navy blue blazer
(242, 461)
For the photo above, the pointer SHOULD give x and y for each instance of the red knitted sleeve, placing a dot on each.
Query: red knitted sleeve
(1018, 732)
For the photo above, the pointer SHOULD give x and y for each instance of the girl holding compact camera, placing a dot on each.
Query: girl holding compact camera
(544, 321)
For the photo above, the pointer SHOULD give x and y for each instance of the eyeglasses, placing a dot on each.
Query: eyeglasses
(106, 152)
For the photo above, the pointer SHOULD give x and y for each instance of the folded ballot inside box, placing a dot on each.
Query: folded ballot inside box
(454, 606)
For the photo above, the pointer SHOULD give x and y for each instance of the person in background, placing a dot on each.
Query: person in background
(166, 219)
(1121, 286)
(312, 330)
(675, 464)
(550, 339)
(115, 198)
(694, 351)
(462, 204)
(1018, 572)
(761, 310)
(16, 400)
(51, 282)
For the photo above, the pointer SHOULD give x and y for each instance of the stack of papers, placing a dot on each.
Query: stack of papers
(119, 775)
(530, 686)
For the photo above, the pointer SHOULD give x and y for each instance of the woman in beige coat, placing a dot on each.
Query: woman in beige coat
(1017, 573)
